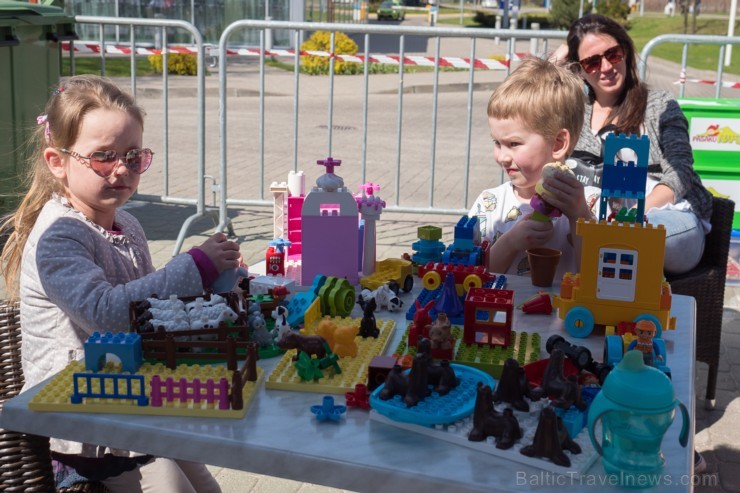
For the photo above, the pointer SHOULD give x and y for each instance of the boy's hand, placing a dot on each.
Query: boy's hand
(223, 253)
(529, 233)
(566, 193)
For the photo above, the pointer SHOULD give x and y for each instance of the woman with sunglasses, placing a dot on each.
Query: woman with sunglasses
(602, 52)
(76, 260)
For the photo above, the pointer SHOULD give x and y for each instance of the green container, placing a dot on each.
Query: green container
(30, 66)
(714, 130)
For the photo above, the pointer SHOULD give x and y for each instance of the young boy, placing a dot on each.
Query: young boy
(535, 117)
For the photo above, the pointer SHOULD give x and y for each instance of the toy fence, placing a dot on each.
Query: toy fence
(164, 346)
(223, 394)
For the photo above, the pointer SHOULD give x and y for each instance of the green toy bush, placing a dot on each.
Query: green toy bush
(319, 65)
(177, 63)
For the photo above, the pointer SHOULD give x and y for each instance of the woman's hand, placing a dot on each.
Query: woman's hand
(223, 253)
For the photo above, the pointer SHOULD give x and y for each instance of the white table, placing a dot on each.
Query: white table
(280, 436)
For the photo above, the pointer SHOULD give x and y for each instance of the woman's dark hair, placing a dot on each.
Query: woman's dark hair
(629, 112)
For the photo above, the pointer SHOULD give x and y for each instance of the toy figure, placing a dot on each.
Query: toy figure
(308, 344)
(542, 210)
(368, 325)
(488, 422)
(422, 320)
(440, 332)
(645, 331)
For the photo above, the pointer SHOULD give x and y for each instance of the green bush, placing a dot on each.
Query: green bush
(319, 65)
(565, 12)
(616, 9)
(177, 63)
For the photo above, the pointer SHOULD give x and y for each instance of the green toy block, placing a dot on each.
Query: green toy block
(431, 233)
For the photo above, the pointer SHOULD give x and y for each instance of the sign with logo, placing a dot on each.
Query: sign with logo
(715, 134)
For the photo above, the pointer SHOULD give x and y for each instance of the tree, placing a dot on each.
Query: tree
(616, 9)
(565, 12)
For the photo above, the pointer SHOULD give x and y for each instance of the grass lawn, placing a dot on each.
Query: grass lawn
(115, 66)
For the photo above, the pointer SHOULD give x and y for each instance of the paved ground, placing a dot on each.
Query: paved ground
(718, 431)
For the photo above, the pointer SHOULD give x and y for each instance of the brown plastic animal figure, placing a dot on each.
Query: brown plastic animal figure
(440, 332)
(308, 344)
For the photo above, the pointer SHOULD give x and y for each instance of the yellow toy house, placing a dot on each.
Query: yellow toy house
(621, 277)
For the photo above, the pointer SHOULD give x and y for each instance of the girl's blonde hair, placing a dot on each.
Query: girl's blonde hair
(58, 127)
(543, 96)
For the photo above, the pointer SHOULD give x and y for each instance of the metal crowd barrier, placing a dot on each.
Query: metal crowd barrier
(725, 49)
(437, 172)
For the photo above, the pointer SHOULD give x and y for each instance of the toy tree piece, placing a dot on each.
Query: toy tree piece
(359, 398)
(563, 392)
(330, 359)
(327, 411)
(487, 422)
(448, 300)
(513, 386)
(550, 439)
(311, 345)
(543, 211)
(308, 368)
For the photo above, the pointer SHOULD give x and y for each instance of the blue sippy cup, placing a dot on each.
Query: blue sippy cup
(636, 407)
(227, 280)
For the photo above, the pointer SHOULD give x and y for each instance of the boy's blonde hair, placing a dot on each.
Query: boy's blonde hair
(58, 127)
(544, 97)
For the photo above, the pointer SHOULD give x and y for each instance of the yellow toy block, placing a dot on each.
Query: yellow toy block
(56, 395)
(354, 370)
(621, 278)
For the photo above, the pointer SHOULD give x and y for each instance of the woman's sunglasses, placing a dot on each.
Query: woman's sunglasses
(105, 163)
(592, 64)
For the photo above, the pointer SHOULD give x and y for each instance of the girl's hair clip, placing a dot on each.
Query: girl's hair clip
(57, 91)
(41, 119)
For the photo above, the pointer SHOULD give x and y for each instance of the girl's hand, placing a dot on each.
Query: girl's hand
(223, 253)
(566, 193)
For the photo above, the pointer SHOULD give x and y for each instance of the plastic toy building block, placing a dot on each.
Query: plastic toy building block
(337, 295)
(429, 233)
(98, 385)
(573, 419)
(360, 398)
(457, 433)
(56, 395)
(465, 248)
(488, 316)
(427, 251)
(297, 306)
(432, 275)
(263, 284)
(328, 411)
(125, 345)
(354, 370)
(380, 367)
(329, 229)
(524, 347)
(396, 269)
(436, 409)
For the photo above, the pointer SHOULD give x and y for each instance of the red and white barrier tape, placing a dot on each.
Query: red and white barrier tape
(731, 85)
(481, 63)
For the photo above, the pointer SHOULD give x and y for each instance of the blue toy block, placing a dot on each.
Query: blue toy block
(298, 305)
(426, 296)
(466, 233)
(573, 419)
(125, 345)
(125, 387)
(427, 251)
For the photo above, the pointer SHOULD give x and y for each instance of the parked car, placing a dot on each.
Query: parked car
(392, 10)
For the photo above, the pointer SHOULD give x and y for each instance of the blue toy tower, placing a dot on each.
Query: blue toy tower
(625, 180)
